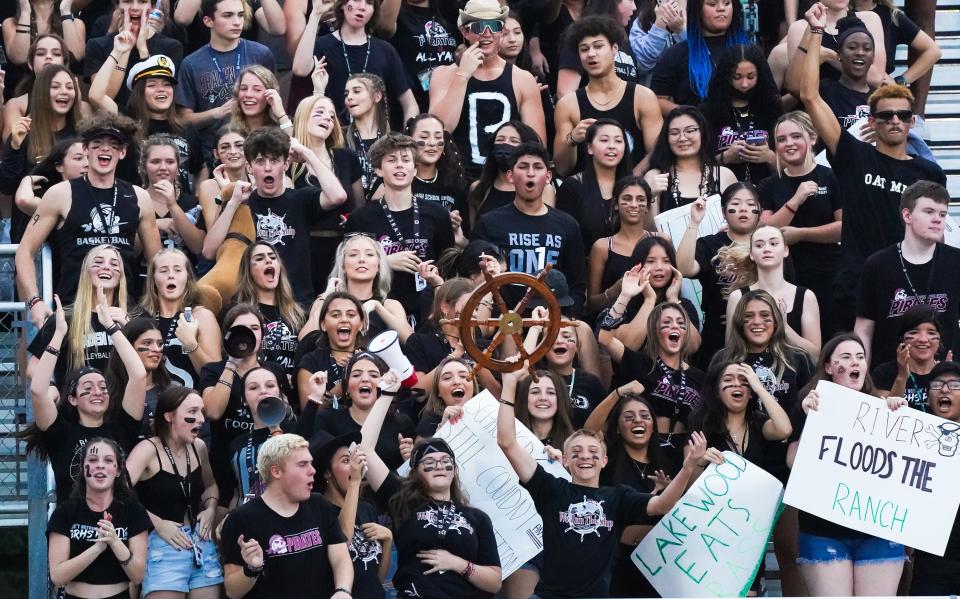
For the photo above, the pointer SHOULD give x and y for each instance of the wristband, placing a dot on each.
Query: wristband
(226, 384)
(190, 351)
(52, 350)
(253, 572)
(617, 391)
(468, 571)
(900, 80)
(33, 301)
(342, 590)
(570, 141)
(287, 125)
(787, 206)
(126, 562)
(816, 30)
(67, 17)
(507, 403)
(113, 329)
(802, 49)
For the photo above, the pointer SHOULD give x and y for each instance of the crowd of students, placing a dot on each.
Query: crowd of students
(241, 194)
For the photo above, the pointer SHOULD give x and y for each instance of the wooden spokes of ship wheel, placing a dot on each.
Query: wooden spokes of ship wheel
(510, 323)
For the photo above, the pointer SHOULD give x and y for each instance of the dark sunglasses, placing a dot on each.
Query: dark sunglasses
(887, 115)
(478, 27)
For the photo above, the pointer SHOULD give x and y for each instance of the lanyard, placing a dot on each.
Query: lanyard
(184, 481)
(903, 267)
(669, 373)
(396, 228)
(573, 380)
(220, 73)
(249, 457)
(346, 59)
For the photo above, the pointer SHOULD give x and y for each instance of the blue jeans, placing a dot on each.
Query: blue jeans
(171, 569)
(867, 550)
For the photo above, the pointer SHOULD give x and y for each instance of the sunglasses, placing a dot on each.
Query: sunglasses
(887, 115)
(478, 27)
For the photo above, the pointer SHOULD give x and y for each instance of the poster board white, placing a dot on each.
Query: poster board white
(674, 223)
(491, 483)
(890, 474)
(711, 543)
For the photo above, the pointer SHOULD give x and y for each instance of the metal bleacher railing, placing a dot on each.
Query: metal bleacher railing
(943, 103)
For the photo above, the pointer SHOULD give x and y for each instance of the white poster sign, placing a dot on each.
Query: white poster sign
(491, 483)
(674, 223)
(891, 474)
(711, 543)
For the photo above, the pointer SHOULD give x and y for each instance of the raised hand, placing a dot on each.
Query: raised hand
(816, 16)
(320, 77)
(103, 309)
(698, 210)
(579, 133)
(19, 130)
(470, 61)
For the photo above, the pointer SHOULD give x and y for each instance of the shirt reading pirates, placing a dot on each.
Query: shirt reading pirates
(295, 548)
(96, 216)
(284, 222)
(581, 530)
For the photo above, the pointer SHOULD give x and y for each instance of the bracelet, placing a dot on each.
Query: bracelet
(52, 350)
(287, 125)
(190, 351)
(816, 30)
(120, 68)
(226, 384)
(32, 301)
(617, 391)
(459, 74)
(787, 206)
(570, 141)
(126, 562)
(113, 329)
(468, 571)
(342, 590)
(253, 572)
(203, 502)
(802, 49)
(113, 57)
(67, 17)
(507, 403)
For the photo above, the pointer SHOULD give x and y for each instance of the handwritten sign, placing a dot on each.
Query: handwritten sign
(674, 223)
(711, 543)
(491, 483)
(891, 474)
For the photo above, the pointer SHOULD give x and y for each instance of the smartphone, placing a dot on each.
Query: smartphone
(758, 139)
(188, 314)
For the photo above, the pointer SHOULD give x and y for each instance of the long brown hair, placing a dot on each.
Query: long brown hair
(435, 404)
(381, 109)
(140, 112)
(413, 493)
(40, 110)
(825, 354)
(269, 80)
(289, 309)
(561, 428)
(783, 352)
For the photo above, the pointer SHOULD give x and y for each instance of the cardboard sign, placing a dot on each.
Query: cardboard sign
(491, 483)
(711, 543)
(890, 474)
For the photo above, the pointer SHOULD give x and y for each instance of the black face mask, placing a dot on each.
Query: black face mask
(502, 155)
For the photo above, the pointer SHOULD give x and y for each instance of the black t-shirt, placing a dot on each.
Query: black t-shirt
(333, 423)
(451, 198)
(583, 201)
(428, 239)
(902, 32)
(295, 549)
(581, 530)
(462, 530)
(284, 222)
(918, 385)
(343, 60)
(871, 184)
(424, 40)
(673, 394)
(346, 166)
(236, 421)
(190, 148)
(671, 76)
(848, 105)
(96, 350)
(279, 343)
(75, 520)
(809, 258)
(529, 243)
(586, 391)
(65, 442)
(366, 555)
(731, 127)
(426, 350)
(885, 294)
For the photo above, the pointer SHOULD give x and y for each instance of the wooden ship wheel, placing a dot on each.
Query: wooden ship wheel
(510, 322)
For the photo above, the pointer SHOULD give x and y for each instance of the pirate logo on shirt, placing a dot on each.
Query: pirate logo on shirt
(363, 549)
(445, 518)
(272, 228)
(585, 518)
(97, 224)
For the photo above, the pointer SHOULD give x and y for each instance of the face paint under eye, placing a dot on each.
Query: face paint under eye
(189, 419)
(443, 467)
(86, 471)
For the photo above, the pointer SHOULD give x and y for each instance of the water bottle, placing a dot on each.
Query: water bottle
(156, 13)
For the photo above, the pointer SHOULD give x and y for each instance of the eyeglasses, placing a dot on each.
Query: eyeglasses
(951, 385)
(688, 132)
(422, 143)
(887, 115)
(478, 27)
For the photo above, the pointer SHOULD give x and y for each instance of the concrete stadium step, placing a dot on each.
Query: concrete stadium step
(949, 47)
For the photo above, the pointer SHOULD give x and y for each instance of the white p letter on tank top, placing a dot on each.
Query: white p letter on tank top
(472, 100)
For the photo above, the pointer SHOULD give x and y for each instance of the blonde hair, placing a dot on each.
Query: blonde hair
(150, 303)
(802, 120)
(301, 122)
(269, 80)
(734, 261)
(586, 432)
(85, 302)
(275, 451)
(381, 284)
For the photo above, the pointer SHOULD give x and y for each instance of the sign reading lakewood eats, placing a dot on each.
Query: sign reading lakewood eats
(891, 474)
(491, 483)
(712, 541)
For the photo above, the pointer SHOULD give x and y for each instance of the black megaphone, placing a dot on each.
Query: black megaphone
(239, 342)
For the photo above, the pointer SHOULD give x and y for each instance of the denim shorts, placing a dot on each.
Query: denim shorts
(867, 550)
(169, 569)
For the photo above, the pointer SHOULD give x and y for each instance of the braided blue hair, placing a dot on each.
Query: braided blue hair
(699, 64)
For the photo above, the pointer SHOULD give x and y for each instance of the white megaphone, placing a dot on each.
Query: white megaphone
(271, 411)
(386, 345)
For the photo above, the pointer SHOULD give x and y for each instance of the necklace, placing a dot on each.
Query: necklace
(903, 267)
(641, 472)
(675, 184)
(611, 97)
(739, 439)
(346, 59)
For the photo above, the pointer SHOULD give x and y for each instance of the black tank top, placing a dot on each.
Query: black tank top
(615, 266)
(795, 316)
(163, 494)
(623, 113)
(178, 363)
(486, 106)
(670, 197)
(94, 219)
